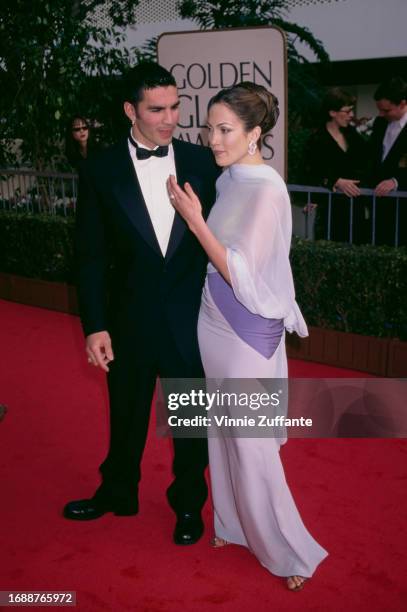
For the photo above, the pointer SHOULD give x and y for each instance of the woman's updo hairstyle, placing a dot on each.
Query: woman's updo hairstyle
(252, 103)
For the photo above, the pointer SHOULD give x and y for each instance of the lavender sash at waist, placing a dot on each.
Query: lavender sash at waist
(262, 334)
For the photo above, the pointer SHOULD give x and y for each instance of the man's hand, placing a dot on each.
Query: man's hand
(348, 186)
(99, 349)
(383, 188)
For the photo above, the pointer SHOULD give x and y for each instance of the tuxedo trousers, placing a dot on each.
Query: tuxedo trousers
(131, 383)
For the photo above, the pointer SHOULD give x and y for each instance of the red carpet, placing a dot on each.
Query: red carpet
(351, 493)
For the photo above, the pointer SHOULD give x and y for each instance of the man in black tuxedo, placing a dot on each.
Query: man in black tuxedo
(140, 277)
(389, 158)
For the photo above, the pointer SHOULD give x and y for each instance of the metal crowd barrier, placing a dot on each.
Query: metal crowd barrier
(305, 202)
(56, 193)
(38, 192)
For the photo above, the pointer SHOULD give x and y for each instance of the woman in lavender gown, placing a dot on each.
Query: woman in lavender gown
(248, 302)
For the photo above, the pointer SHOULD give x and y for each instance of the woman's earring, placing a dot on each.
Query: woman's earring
(252, 148)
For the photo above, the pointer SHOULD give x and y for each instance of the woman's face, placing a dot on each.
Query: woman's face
(342, 117)
(227, 136)
(80, 131)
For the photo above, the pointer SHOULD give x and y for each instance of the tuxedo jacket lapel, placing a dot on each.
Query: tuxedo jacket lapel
(395, 151)
(130, 197)
(184, 174)
(128, 192)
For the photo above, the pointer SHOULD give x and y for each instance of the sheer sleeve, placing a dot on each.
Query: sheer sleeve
(258, 258)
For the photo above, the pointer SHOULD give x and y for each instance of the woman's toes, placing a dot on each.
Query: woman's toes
(218, 542)
(295, 583)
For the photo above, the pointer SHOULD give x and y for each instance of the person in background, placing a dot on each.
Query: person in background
(336, 158)
(388, 159)
(78, 140)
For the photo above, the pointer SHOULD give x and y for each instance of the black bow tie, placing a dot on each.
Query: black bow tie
(142, 153)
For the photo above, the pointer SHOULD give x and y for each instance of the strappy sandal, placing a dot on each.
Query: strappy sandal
(296, 587)
(218, 542)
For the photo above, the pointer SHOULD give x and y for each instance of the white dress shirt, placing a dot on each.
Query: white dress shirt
(152, 174)
(392, 132)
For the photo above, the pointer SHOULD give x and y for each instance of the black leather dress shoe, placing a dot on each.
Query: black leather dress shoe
(188, 529)
(89, 509)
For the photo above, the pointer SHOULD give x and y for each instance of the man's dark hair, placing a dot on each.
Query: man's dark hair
(146, 75)
(394, 89)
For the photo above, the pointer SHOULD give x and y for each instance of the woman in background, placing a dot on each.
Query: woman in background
(78, 141)
(336, 158)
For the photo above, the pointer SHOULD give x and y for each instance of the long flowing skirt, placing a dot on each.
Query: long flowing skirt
(253, 505)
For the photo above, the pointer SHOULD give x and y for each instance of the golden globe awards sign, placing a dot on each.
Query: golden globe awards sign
(205, 62)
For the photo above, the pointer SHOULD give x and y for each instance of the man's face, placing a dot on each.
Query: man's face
(391, 111)
(156, 116)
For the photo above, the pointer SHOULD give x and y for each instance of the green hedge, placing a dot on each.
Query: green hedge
(37, 246)
(360, 289)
